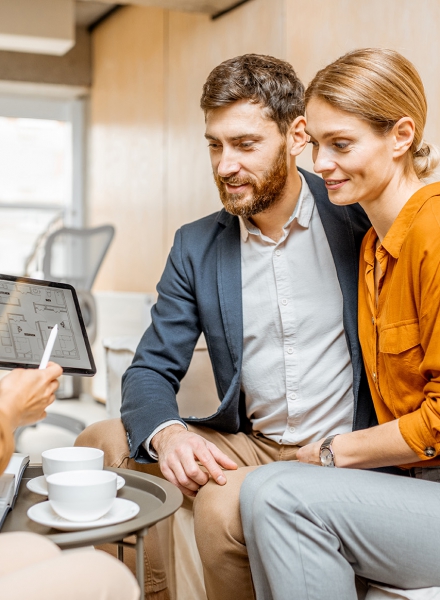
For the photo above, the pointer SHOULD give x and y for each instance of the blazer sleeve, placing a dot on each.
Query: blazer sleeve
(150, 384)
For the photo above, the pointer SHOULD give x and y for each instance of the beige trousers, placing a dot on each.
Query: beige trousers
(32, 567)
(217, 522)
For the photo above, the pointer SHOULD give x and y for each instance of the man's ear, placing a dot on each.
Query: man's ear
(297, 137)
(403, 136)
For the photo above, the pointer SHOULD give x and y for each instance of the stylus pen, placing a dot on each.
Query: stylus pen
(49, 348)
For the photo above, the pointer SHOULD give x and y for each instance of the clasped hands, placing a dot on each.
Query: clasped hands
(187, 460)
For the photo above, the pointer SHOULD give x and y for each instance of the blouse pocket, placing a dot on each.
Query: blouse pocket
(399, 338)
(401, 355)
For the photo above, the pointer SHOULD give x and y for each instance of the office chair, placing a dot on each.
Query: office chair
(74, 256)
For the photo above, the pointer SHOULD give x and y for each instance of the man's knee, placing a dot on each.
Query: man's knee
(217, 515)
(214, 504)
(109, 436)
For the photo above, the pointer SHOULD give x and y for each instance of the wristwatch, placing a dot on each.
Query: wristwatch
(326, 452)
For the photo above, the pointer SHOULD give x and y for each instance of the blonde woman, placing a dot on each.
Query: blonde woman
(310, 530)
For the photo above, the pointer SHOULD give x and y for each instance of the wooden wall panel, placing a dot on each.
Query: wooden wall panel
(318, 32)
(196, 44)
(126, 158)
(149, 165)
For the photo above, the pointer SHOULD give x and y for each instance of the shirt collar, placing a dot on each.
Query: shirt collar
(396, 235)
(302, 213)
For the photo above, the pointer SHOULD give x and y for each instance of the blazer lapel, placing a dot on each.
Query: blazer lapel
(229, 285)
(339, 231)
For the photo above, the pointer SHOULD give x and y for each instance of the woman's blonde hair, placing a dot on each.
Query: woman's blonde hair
(380, 86)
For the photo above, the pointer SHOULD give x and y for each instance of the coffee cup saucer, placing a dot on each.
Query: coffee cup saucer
(122, 510)
(38, 485)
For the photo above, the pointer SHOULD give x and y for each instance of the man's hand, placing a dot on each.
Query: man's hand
(180, 453)
(26, 393)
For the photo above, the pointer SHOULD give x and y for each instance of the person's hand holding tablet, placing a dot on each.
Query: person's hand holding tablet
(42, 319)
(26, 393)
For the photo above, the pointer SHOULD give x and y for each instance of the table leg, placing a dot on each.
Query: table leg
(139, 548)
(121, 552)
(140, 560)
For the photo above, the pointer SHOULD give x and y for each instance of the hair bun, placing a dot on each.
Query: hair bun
(426, 159)
(423, 149)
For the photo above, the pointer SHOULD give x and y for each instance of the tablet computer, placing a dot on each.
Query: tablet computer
(29, 309)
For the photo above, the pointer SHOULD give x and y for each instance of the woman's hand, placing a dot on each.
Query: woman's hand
(310, 453)
(380, 446)
(26, 393)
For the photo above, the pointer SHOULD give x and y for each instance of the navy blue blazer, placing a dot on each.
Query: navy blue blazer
(200, 291)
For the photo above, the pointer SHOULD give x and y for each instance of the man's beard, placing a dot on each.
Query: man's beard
(264, 194)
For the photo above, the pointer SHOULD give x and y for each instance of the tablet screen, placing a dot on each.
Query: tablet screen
(29, 309)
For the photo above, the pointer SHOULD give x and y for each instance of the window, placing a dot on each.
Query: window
(41, 157)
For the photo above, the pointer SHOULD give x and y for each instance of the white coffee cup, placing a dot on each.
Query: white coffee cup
(58, 460)
(82, 496)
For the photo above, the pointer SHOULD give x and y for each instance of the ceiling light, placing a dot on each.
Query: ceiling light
(37, 26)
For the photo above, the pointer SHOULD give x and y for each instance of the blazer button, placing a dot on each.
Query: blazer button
(429, 451)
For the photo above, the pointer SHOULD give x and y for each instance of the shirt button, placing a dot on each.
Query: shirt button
(374, 376)
(429, 451)
(278, 252)
(284, 301)
(292, 429)
(292, 396)
(289, 350)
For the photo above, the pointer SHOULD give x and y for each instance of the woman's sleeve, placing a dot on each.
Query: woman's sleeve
(6, 441)
(421, 428)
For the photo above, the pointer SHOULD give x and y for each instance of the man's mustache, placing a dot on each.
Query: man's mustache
(233, 180)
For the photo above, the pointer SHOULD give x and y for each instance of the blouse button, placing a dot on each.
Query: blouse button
(429, 451)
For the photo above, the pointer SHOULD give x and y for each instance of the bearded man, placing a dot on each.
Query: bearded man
(271, 281)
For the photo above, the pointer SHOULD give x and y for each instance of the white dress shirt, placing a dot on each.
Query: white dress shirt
(296, 375)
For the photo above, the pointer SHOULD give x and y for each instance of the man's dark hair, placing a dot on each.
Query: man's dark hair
(261, 79)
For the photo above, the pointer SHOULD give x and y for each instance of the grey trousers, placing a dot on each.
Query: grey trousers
(309, 530)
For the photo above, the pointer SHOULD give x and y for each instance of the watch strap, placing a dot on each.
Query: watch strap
(326, 453)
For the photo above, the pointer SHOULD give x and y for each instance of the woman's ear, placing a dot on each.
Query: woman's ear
(297, 136)
(403, 134)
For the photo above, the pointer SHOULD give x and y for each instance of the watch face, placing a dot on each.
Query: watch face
(326, 457)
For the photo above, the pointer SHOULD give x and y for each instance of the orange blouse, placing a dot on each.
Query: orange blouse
(400, 337)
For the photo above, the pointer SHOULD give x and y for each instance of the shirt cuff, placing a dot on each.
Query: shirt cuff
(147, 443)
(418, 435)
